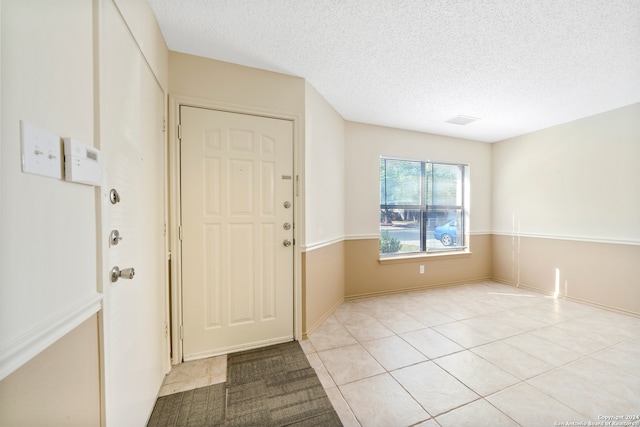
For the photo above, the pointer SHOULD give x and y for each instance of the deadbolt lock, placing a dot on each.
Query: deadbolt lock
(114, 197)
(114, 237)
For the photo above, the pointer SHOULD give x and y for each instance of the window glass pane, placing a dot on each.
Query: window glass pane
(446, 230)
(421, 207)
(436, 217)
(446, 185)
(401, 234)
(400, 182)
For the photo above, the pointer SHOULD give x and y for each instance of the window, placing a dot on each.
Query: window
(422, 206)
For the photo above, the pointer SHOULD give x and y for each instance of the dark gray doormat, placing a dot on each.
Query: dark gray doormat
(272, 386)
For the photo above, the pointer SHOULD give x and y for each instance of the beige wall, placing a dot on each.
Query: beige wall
(232, 85)
(365, 275)
(323, 283)
(59, 387)
(567, 198)
(604, 274)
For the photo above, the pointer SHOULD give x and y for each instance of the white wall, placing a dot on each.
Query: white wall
(578, 180)
(366, 143)
(48, 227)
(324, 171)
(142, 24)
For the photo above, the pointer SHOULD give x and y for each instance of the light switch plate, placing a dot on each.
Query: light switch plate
(41, 151)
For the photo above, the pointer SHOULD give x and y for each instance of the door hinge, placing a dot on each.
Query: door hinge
(179, 131)
(166, 329)
(164, 229)
(179, 232)
(164, 124)
(181, 332)
(297, 185)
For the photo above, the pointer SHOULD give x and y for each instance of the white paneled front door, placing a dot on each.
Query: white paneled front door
(237, 222)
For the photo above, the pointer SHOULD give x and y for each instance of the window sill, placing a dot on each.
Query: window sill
(422, 257)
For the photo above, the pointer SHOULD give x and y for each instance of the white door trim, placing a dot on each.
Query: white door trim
(175, 219)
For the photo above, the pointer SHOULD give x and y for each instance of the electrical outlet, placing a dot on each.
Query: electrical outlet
(422, 269)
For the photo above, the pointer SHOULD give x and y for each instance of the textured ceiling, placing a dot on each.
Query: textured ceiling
(518, 66)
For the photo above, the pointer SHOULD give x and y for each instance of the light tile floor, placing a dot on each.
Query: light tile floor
(475, 355)
(195, 374)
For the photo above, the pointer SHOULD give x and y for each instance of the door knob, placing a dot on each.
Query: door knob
(125, 273)
(287, 243)
(286, 226)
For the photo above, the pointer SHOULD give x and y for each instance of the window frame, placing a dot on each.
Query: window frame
(424, 208)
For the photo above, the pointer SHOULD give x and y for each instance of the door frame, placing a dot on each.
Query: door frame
(175, 207)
